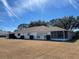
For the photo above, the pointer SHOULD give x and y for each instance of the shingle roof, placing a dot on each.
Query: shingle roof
(40, 29)
(54, 28)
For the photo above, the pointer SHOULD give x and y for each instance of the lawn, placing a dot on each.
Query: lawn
(28, 49)
(77, 41)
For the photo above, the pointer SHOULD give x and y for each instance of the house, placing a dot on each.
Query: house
(3, 33)
(75, 29)
(12, 35)
(44, 33)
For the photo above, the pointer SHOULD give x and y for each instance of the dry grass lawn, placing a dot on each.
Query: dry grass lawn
(28, 49)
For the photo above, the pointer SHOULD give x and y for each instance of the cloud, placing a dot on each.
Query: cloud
(64, 3)
(30, 5)
(8, 8)
(73, 3)
(58, 3)
(22, 6)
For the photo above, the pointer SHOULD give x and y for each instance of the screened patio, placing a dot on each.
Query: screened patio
(59, 35)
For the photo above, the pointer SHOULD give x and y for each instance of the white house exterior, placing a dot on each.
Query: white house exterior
(75, 29)
(4, 33)
(44, 33)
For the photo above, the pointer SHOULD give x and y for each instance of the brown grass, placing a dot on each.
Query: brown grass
(28, 49)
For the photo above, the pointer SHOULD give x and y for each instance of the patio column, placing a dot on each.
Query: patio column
(63, 34)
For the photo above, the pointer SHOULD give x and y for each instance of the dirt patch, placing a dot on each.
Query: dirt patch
(28, 49)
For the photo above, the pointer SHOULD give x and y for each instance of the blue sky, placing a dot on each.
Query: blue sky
(15, 12)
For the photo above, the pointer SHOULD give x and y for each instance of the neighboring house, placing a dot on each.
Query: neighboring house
(44, 33)
(11, 35)
(75, 29)
(4, 33)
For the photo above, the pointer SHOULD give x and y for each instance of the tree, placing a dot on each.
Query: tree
(37, 23)
(66, 22)
(22, 26)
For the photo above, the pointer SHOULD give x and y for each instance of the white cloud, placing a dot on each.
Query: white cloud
(58, 3)
(8, 8)
(23, 5)
(73, 3)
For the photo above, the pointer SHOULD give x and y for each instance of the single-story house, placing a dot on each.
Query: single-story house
(11, 35)
(3, 33)
(75, 29)
(44, 33)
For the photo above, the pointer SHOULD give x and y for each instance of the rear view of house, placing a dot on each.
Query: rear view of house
(3, 33)
(75, 29)
(44, 33)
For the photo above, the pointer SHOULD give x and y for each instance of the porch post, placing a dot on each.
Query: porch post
(63, 34)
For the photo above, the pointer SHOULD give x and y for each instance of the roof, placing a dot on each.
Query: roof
(54, 28)
(75, 26)
(75, 30)
(40, 29)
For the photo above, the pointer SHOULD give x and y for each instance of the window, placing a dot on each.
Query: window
(18, 34)
(60, 34)
(57, 34)
(66, 34)
(38, 36)
(28, 34)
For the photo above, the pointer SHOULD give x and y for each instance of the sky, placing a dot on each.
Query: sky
(15, 12)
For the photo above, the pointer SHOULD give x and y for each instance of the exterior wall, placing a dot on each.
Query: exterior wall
(36, 35)
(70, 35)
(26, 36)
(63, 39)
(57, 35)
(18, 36)
(4, 33)
(65, 36)
(43, 36)
(40, 36)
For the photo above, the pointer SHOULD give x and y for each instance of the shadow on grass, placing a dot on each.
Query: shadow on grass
(70, 41)
(74, 39)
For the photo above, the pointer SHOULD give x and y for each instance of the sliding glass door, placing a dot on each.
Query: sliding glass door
(57, 34)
